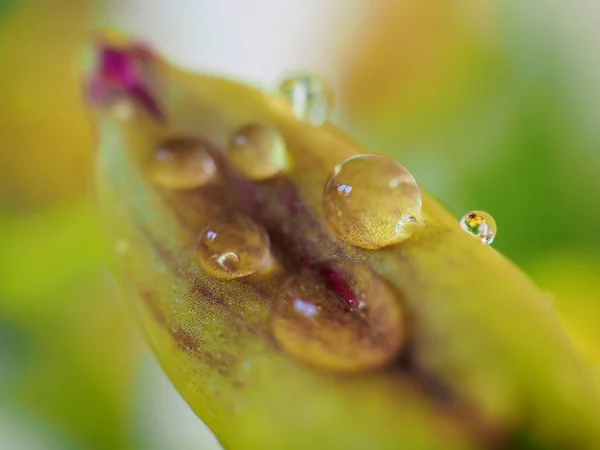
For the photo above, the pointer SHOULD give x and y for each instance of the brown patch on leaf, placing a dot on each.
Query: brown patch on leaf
(153, 307)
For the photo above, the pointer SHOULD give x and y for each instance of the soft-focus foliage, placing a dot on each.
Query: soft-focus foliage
(482, 100)
(67, 348)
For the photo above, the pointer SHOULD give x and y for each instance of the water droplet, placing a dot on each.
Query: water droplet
(233, 246)
(481, 225)
(316, 323)
(182, 163)
(310, 96)
(258, 151)
(372, 201)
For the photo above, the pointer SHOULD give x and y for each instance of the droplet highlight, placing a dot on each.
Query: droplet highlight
(310, 96)
(181, 164)
(481, 225)
(372, 201)
(258, 152)
(233, 246)
(341, 317)
(306, 308)
(230, 261)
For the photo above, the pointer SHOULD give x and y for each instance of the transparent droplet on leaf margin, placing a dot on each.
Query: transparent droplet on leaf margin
(481, 225)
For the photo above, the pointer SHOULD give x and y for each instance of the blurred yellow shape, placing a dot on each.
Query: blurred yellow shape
(45, 137)
(571, 280)
(417, 62)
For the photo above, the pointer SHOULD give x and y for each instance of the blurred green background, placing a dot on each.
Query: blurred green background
(493, 104)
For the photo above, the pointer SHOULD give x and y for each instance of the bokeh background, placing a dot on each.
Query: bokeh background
(493, 104)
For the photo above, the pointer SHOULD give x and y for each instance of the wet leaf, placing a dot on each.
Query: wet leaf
(457, 350)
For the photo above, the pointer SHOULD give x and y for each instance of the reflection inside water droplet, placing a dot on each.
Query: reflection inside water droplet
(233, 246)
(344, 190)
(481, 225)
(229, 260)
(372, 201)
(311, 98)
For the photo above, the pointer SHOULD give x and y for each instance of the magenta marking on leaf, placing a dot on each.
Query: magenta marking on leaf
(124, 71)
(340, 286)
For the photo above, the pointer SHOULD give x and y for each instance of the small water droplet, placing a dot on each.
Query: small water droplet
(182, 163)
(233, 246)
(372, 201)
(258, 151)
(481, 225)
(311, 98)
(316, 321)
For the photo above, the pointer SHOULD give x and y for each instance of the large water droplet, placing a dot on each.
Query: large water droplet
(341, 317)
(311, 98)
(182, 163)
(481, 225)
(258, 151)
(233, 246)
(372, 201)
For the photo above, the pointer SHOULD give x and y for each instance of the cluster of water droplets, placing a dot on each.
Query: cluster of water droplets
(369, 201)
(234, 245)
